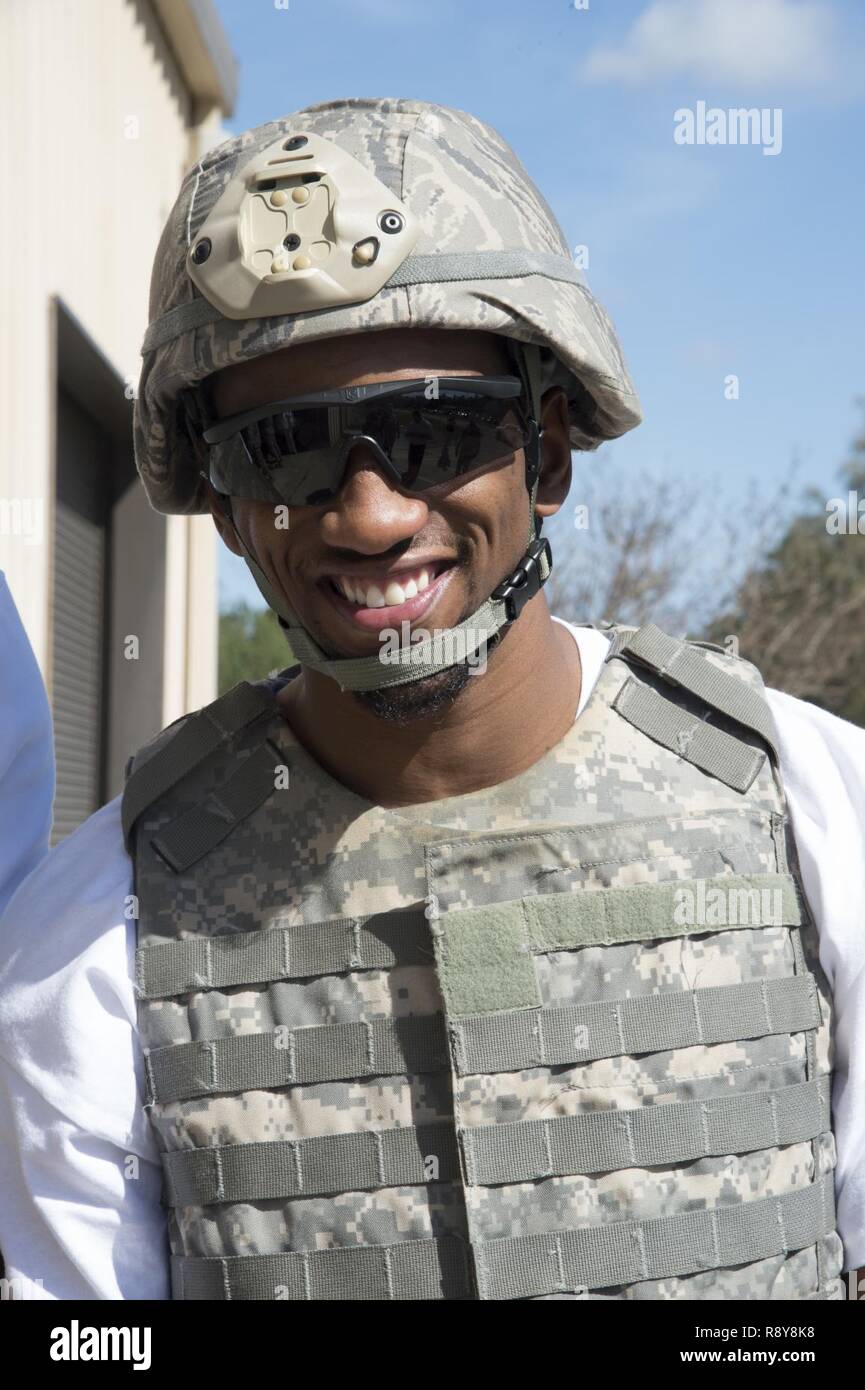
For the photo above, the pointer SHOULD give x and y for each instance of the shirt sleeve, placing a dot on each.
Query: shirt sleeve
(80, 1204)
(26, 753)
(823, 772)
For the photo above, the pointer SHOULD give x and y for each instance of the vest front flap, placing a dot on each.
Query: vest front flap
(636, 1046)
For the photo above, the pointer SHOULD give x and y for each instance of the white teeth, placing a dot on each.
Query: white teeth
(394, 593)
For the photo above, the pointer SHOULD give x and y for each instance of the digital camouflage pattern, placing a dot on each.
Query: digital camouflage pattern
(606, 809)
(470, 193)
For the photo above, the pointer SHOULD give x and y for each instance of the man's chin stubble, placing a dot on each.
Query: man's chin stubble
(404, 704)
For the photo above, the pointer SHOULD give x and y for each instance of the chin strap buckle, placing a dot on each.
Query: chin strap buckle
(525, 581)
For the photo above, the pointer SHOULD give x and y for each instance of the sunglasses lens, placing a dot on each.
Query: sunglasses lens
(298, 456)
(437, 446)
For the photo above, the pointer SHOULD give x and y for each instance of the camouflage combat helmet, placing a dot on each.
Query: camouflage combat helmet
(477, 248)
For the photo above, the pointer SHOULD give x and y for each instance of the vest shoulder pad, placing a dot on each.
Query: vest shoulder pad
(171, 755)
(724, 681)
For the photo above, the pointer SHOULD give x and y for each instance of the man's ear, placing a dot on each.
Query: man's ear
(555, 479)
(221, 520)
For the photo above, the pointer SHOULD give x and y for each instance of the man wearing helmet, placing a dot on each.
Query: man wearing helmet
(454, 979)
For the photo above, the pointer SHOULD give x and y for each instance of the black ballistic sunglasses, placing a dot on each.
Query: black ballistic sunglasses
(422, 431)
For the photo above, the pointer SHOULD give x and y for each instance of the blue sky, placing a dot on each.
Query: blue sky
(712, 259)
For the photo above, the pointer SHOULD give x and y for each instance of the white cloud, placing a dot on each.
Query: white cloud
(739, 41)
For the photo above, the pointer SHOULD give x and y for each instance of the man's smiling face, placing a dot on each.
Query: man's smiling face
(376, 556)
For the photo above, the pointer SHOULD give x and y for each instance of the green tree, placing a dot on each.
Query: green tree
(251, 645)
(800, 614)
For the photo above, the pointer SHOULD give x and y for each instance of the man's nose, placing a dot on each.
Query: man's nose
(369, 514)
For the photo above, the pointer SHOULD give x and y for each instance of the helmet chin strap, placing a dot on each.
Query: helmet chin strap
(448, 647)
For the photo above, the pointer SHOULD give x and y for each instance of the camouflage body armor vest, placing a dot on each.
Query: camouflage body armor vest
(563, 1037)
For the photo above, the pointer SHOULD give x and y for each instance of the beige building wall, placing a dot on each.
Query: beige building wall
(104, 105)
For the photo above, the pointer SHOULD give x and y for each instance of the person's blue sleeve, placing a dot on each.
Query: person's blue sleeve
(26, 753)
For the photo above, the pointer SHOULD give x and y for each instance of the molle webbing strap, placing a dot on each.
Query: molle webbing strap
(200, 735)
(628, 1252)
(733, 762)
(408, 1270)
(328, 1163)
(590, 1257)
(513, 1041)
(598, 1142)
(283, 953)
(551, 1037)
(197, 831)
(485, 954)
(604, 1141)
(297, 1056)
(689, 668)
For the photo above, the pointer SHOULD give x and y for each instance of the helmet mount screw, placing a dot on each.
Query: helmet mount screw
(390, 222)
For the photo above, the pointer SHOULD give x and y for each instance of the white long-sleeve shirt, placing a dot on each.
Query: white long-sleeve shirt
(80, 1201)
(26, 753)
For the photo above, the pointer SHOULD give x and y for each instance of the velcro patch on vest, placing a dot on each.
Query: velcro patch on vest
(485, 953)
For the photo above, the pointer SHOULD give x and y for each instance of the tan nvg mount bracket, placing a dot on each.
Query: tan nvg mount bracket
(303, 225)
